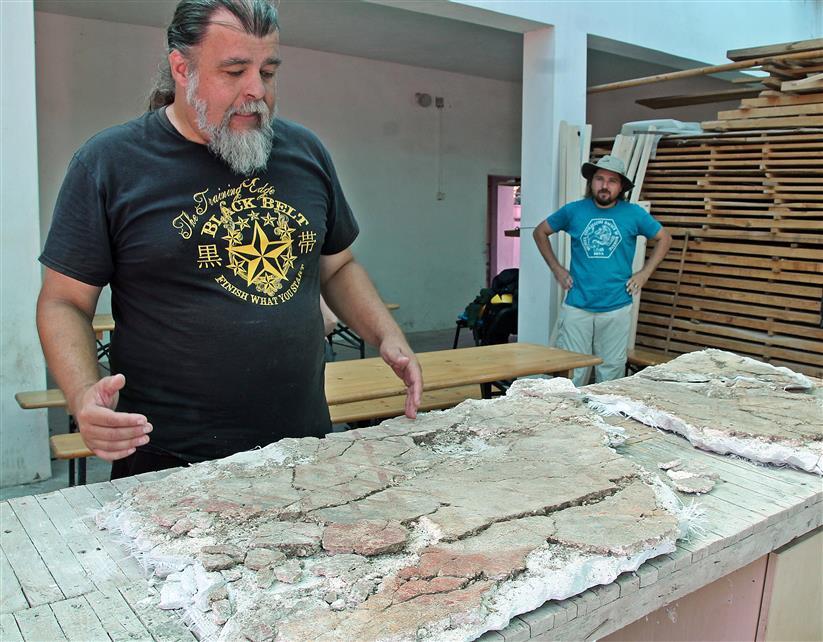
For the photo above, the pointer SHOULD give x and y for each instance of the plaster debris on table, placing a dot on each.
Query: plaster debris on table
(693, 482)
(725, 403)
(439, 528)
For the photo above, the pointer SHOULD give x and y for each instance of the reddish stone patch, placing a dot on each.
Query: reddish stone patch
(234, 552)
(496, 565)
(233, 509)
(262, 557)
(217, 562)
(461, 600)
(167, 520)
(182, 527)
(415, 588)
(258, 632)
(365, 537)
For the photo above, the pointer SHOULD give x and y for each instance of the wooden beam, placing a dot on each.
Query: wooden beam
(768, 112)
(780, 100)
(754, 123)
(702, 71)
(772, 50)
(749, 80)
(810, 84)
(664, 102)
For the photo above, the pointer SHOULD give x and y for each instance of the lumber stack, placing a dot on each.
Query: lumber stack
(744, 205)
(793, 90)
(745, 272)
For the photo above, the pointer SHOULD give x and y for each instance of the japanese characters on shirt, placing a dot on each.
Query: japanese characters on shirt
(256, 241)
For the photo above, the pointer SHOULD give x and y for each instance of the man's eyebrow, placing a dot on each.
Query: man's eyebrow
(231, 62)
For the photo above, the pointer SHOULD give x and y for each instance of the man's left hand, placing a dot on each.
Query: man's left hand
(636, 282)
(405, 365)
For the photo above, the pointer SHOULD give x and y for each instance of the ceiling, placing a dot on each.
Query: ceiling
(356, 28)
(370, 30)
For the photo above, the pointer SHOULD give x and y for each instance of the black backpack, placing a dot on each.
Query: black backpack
(498, 320)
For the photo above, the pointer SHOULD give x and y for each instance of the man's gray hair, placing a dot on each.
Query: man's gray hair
(188, 28)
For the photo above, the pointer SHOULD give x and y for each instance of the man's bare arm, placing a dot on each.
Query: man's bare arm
(65, 309)
(541, 236)
(663, 243)
(349, 292)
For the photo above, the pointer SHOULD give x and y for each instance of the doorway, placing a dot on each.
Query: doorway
(503, 225)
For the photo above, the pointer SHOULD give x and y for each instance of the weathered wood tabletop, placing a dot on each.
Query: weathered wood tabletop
(361, 379)
(62, 578)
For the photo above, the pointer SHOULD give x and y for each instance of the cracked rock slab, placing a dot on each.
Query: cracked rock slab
(725, 403)
(439, 528)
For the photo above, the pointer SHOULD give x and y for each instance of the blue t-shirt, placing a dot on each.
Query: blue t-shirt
(603, 244)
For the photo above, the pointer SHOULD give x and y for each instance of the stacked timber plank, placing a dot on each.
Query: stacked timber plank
(745, 208)
(744, 205)
(793, 95)
(745, 272)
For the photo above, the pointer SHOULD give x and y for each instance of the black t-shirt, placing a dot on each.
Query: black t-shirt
(214, 279)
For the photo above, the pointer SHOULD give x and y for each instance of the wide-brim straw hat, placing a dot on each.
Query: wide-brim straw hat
(610, 163)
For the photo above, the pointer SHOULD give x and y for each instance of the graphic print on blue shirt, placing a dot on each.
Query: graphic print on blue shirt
(600, 238)
(603, 242)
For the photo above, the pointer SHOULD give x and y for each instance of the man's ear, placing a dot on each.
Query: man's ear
(180, 67)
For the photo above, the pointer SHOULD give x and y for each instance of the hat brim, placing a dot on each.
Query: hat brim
(589, 169)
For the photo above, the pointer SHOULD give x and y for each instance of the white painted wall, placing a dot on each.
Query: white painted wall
(428, 255)
(91, 75)
(24, 449)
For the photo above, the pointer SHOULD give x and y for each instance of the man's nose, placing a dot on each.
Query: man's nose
(255, 88)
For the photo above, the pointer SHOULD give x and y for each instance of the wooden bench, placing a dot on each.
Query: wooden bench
(35, 399)
(639, 358)
(70, 446)
(61, 446)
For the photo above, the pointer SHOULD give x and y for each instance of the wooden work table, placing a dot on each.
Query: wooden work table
(363, 379)
(64, 578)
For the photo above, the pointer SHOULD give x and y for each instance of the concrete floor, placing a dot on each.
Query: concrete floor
(98, 470)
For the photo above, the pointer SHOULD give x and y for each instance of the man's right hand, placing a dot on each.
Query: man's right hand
(109, 434)
(563, 277)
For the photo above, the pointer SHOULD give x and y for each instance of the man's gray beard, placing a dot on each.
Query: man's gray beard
(243, 151)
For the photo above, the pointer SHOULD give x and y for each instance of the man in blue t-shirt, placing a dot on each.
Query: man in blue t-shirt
(596, 314)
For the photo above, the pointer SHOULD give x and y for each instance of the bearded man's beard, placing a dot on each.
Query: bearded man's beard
(604, 198)
(243, 151)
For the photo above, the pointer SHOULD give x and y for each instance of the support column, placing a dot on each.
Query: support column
(554, 89)
(24, 446)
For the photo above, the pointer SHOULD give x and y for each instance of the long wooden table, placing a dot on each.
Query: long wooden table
(364, 379)
(62, 578)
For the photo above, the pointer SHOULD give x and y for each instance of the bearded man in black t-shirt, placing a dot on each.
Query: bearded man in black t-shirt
(217, 226)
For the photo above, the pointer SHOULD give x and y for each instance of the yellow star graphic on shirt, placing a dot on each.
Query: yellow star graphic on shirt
(261, 255)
